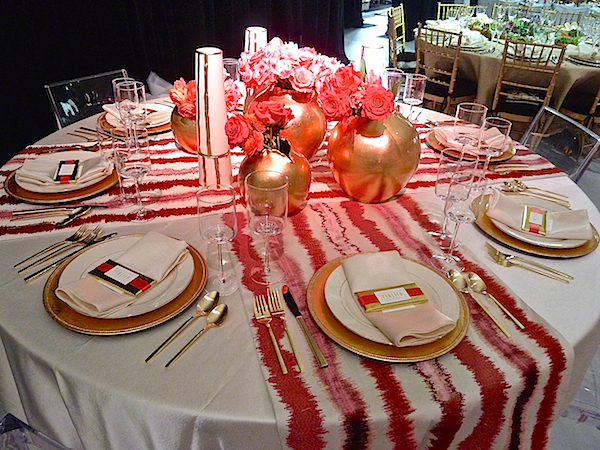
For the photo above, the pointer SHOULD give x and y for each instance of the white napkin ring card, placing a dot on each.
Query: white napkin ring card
(124, 278)
(67, 171)
(392, 297)
(534, 220)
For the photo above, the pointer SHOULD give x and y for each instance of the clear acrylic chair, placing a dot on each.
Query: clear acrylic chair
(16, 434)
(76, 99)
(566, 143)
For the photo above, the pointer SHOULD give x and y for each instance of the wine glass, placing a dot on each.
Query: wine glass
(113, 150)
(266, 193)
(392, 80)
(456, 209)
(467, 124)
(135, 165)
(130, 100)
(217, 223)
(447, 165)
(414, 90)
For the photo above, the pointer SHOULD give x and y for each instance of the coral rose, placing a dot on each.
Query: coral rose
(237, 130)
(346, 79)
(254, 143)
(377, 103)
(273, 113)
(335, 105)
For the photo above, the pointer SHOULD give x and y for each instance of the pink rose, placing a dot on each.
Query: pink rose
(237, 130)
(377, 103)
(302, 79)
(232, 95)
(188, 109)
(372, 78)
(273, 113)
(335, 104)
(346, 79)
(254, 143)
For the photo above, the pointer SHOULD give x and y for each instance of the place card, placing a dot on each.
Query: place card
(123, 278)
(534, 220)
(67, 171)
(391, 298)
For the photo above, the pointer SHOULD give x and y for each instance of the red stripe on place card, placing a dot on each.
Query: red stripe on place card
(105, 267)
(140, 284)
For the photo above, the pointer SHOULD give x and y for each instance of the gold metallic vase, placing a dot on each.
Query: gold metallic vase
(372, 160)
(306, 131)
(295, 167)
(184, 132)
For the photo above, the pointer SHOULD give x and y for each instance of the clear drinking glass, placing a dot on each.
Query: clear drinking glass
(135, 165)
(217, 222)
(468, 121)
(232, 66)
(414, 90)
(266, 193)
(374, 57)
(457, 209)
(130, 100)
(447, 166)
(113, 149)
(392, 80)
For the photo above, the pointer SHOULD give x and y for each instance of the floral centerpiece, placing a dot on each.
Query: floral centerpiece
(372, 152)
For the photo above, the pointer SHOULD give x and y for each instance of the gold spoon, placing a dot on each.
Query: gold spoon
(523, 191)
(206, 304)
(460, 282)
(478, 285)
(214, 319)
(522, 185)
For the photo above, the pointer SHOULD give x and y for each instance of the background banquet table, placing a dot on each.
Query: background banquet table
(96, 392)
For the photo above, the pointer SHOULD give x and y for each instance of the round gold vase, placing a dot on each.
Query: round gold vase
(184, 132)
(306, 131)
(372, 160)
(295, 167)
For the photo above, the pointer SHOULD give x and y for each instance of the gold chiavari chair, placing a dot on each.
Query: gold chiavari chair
(521, 10)
(562, 17)
(447, 10)
(526, 80)
(437, 54)
(396, 33)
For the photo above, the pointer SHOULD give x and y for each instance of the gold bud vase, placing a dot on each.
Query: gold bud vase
(184, 132)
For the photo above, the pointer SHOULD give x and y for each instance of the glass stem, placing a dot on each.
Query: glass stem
(267, 237)
(221, 268)
(138, 195)
(452, 242)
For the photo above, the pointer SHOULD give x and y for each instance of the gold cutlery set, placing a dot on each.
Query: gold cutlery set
(269, 306)
(519, 188)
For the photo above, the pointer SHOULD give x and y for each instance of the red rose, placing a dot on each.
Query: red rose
(273, 113)
(346, 79)
(377, 103)
(335, 105)
(237, 130)
(254, 143)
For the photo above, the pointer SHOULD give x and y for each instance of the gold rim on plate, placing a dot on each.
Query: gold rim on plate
(486, 225)
(17, 192)
(436, 145)
(72, 320)
(333, 328)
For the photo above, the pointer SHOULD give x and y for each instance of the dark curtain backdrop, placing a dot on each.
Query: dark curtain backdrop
(417, 11)
(53, 40)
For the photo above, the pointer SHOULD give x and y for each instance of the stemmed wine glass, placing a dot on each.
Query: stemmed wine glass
(135, 164)
(456, 209)
(447, 165)
(468, 121)
(266, 193)
(414, 90)
(113, 150)
(217, 223)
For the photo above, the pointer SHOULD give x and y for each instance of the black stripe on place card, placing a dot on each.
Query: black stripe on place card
(124, 278)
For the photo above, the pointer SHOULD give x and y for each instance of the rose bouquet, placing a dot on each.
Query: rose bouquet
(344, 95)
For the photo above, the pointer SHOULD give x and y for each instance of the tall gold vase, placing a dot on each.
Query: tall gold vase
(184, 132)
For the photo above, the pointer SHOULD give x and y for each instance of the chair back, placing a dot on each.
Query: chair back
(75, 99)
(446, 10)
(562, 17)
(563, 141)
(527, 75)
(437, 53)
(396, 33)
(521, 10)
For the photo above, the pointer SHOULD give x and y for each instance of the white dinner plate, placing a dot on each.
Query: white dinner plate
(157, 115)
(536, 239)
(159, 295)
(52, 159)
(346, 309)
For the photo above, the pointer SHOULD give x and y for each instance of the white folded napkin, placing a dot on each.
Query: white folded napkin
(155, 255)
(157, 114)
(37, 175)
(569, 224)
(469, 37)
(587, 51)
(445, 136)
(412, 325)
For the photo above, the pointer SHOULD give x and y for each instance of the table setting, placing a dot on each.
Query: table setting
(387, 347)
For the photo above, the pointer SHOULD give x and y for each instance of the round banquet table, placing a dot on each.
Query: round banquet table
(96, 392)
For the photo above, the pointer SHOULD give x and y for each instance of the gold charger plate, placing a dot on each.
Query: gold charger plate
(583, 61)
(15, 191)
(333, 328)
(436, 145)
(486, 225)
(106, 125)
(72, 320)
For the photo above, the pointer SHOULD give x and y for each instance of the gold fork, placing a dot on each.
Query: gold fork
(262, 315)
(73, 238)
(276, 309)
(504, 260)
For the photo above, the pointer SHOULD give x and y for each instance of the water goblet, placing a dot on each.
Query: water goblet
(447, 166)
(217, 223)
(414, 90)
(135, 165)
(113, 150)
(392, 80)
(468, 121)
(266, 193)
(130, 100)
(493, 141)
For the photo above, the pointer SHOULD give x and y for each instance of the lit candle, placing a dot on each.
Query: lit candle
(255, 38)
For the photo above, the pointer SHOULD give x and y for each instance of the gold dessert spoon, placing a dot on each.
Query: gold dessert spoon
(204, 306)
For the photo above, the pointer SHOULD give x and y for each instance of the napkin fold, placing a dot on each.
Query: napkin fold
(470, 37)
(37, 175)
(445, 136)
(412, 325)
(587, 51)
(569, 224)
(154, 118)
(154, 255)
